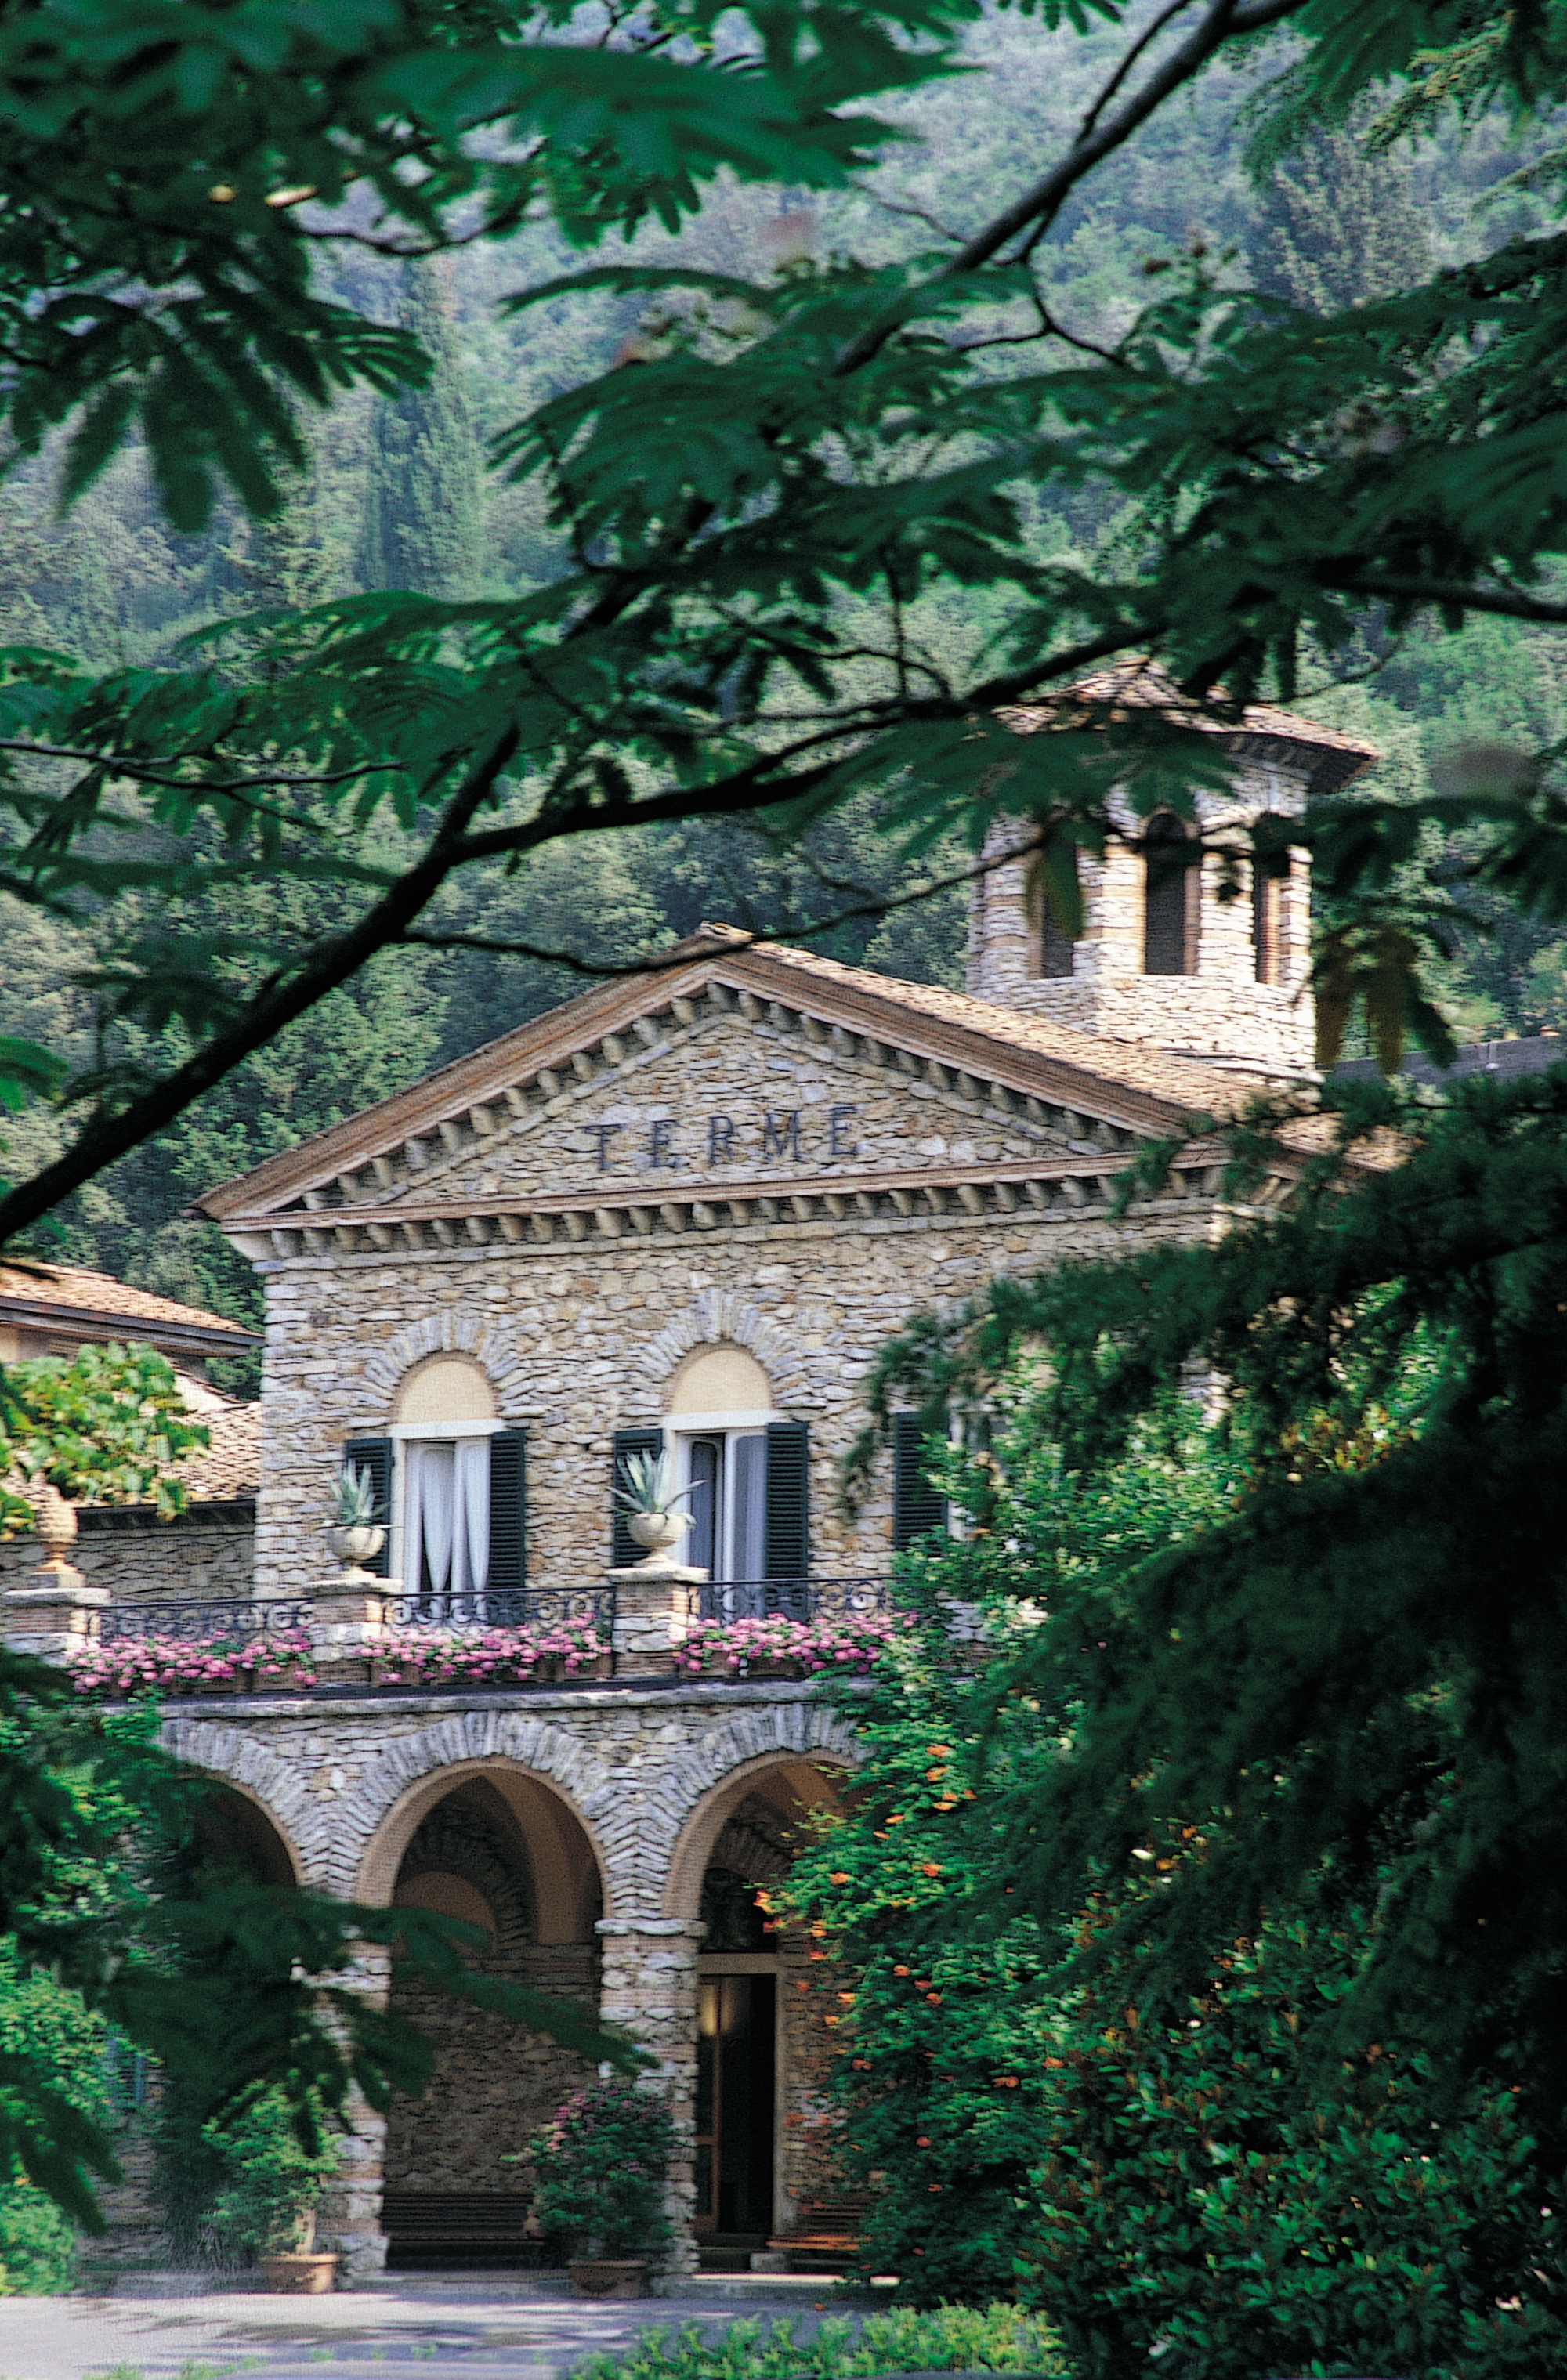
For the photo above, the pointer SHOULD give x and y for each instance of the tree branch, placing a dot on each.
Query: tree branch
(1226, 20)
(108, 1137)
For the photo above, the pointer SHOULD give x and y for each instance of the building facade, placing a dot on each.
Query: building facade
(682, 1214)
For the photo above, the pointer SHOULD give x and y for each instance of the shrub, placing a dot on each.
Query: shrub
(599, 2169)
(38, 2245)
(1220, 2197)
(950, 2338)
(272, 2184)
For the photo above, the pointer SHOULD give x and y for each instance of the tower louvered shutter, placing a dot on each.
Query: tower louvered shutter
(917, 1505)
(375, 1456)
(786, 1546)
(508, 1510)
(624, 1547)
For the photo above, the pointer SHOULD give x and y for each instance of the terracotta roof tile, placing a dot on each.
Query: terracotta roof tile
(1144, 686)
(231, 1465)
(72, 1287)
(1195, 1088)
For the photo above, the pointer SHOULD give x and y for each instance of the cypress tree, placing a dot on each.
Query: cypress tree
(1339, 225)
(423, 515)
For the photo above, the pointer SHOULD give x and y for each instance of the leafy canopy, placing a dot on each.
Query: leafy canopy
(1356, 1658)
(760, 505)
(106, 1428)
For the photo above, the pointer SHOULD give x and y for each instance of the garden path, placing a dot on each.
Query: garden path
(410, 2328)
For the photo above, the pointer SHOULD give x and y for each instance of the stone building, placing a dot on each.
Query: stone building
(56, 1309)
(684, 1211)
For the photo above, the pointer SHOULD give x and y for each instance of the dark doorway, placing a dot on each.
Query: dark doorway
(735, 2056)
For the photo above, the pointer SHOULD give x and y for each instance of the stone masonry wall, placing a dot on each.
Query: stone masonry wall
(212, 1553)
(579, 1343)
(731, 1100)
(345, 1784)
(1221, 1011)
(494, 2081)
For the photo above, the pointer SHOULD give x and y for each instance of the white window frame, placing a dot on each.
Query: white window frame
(403, 1436)
(678, 1431)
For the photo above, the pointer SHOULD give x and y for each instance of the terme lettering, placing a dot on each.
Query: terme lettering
(731, 1142)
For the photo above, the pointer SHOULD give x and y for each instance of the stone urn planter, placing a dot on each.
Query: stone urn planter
(354, 1543)
(658, 1531)
(300, 2274)
(609, 2276)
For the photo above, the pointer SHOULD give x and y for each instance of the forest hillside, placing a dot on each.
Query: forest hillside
(398, 496)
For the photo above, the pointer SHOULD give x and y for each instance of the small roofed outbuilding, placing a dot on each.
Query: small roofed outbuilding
(49, 1310)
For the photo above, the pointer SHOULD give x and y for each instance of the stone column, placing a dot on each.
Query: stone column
(58, 1610)
(655, 1604)
(348, 1615)
(649, 1988)
(352, 2214)
(50, 1620)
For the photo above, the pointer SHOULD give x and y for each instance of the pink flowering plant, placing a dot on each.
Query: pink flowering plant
(599, 2169)
(153, 1665)
(844, 1648)
(482, 1656)
(403, 1657)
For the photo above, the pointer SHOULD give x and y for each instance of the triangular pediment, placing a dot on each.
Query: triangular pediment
(722, 1101)
(737, 1070)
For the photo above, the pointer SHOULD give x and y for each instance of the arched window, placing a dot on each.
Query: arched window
(1270, 874)
(456, 1489)
(1172, 896)
(1055, 953)
(746, 1472)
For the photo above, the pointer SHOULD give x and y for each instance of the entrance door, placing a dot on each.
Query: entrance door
(736, 2035)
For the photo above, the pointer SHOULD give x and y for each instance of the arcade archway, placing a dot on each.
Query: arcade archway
(492, 1845)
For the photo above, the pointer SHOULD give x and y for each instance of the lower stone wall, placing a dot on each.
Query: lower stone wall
(494, 2081)
(141, 1559)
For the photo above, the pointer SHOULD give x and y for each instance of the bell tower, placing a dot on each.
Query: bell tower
(1190, 944)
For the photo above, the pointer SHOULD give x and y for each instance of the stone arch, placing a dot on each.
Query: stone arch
(412, 1773)
(725, 1314)
(714, 1777)
(248, 1769)
(493, 1343)
(456, 1841)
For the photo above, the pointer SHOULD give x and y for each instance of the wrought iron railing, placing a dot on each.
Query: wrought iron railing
(539, 1609)
(236, 1618)
(795, 1599)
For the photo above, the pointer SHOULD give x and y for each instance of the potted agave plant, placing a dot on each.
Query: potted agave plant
(648, 1495)
(356, 1533)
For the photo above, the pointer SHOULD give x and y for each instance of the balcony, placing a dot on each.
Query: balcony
(352, 1637)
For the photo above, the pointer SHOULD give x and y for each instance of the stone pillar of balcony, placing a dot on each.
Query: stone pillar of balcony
(648, 1987)
(58, 1610)
(347, 1616)
(655, 1604)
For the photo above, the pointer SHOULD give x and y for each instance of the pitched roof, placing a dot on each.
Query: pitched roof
(69, 1299)
(230, 1467)
(1329, 757)
(1140, 1090)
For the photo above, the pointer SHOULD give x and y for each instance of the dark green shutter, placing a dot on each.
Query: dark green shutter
(787, 1541)
(917, 1505)
(624, 1547)
(375, 1456)
(508, 1510)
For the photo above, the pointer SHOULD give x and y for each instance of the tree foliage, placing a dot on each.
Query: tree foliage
(234, 1988)
(107, 1427)
(778, 481)
(1230, 2164)
(1359, 1660)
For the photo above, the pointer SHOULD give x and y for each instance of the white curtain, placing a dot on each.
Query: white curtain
(446, 1516)
(470, 1555)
